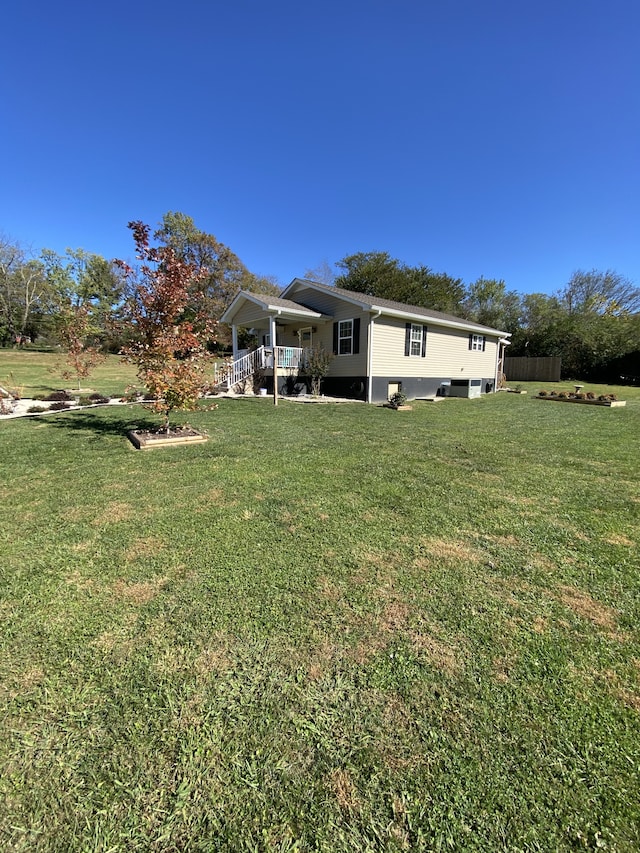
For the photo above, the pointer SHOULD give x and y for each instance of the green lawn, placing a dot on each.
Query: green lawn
(38, 373)
(332, 627)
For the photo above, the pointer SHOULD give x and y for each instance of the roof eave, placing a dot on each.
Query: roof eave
(437, 321)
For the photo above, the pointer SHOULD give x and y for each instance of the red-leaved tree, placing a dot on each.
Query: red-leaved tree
(167, 328)
(74, 326)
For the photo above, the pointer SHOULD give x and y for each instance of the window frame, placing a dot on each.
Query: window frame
(415, 340)
(345, 338)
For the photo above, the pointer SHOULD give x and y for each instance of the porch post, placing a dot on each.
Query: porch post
(234, 340)
(274, 357)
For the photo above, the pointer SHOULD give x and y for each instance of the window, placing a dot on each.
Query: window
(345, 337)
(416, 340)
(477, 342)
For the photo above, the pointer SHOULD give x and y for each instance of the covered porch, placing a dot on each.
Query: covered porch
(281, 332)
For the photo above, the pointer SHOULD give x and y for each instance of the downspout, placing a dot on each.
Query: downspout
(370, 357)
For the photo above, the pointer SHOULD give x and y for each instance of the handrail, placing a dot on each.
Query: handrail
(287, 358)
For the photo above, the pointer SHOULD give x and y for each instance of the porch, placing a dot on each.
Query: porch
(265, 361)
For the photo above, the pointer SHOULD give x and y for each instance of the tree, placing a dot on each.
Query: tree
(74, 328)
(378, 274)
(80, 278)
(169, 328)
(591, 323)
(490, 303)
(224, 273)
(603, 293)
(440, 291)
(372, 273)
(323, 273)
(23, 290)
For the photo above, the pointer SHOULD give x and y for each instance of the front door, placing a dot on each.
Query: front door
(306, 337)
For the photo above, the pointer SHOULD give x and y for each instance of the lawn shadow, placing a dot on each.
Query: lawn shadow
(94, 421)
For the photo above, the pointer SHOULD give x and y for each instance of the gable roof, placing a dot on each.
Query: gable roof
(392, 308)
(270, 305)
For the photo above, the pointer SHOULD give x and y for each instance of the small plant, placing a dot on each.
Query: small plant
(33, 410)
(543, 393)
(76, 327)
(57, 396)
(398, 399)
(99, 398)
(317, 364)
(59, 406)
(131, 394)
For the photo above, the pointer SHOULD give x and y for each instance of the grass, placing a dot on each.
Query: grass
(32, 373)
(332, 627)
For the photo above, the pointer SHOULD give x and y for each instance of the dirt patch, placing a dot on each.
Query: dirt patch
(502, 669)
(76, 513)
(540, 625)
(212, 659)
(441, 654)
(114, 512)
(619, 539)
(138, 593)
(146, 546)
(395, 616)
(328, 589)
(587, 607)
(451, 550)
(343, 789)
(323, 657)
(78, 580)
(628, 697)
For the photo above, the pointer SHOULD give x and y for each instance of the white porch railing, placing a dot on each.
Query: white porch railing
(290, 358)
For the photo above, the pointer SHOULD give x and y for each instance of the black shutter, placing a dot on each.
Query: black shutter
(356, 335)
(484, 342)
(335, 339)
(424, 341)
(407, 338)
(470, 341)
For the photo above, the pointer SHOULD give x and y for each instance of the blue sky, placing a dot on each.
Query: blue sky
(497, 138)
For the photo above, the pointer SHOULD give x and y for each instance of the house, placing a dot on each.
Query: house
(379, 346)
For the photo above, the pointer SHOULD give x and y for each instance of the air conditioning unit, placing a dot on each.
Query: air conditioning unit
(465, 388)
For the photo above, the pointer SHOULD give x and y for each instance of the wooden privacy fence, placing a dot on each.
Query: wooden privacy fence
(538, 369)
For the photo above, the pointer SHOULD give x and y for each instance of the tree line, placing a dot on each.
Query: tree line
(592, 323)
(76, 299)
